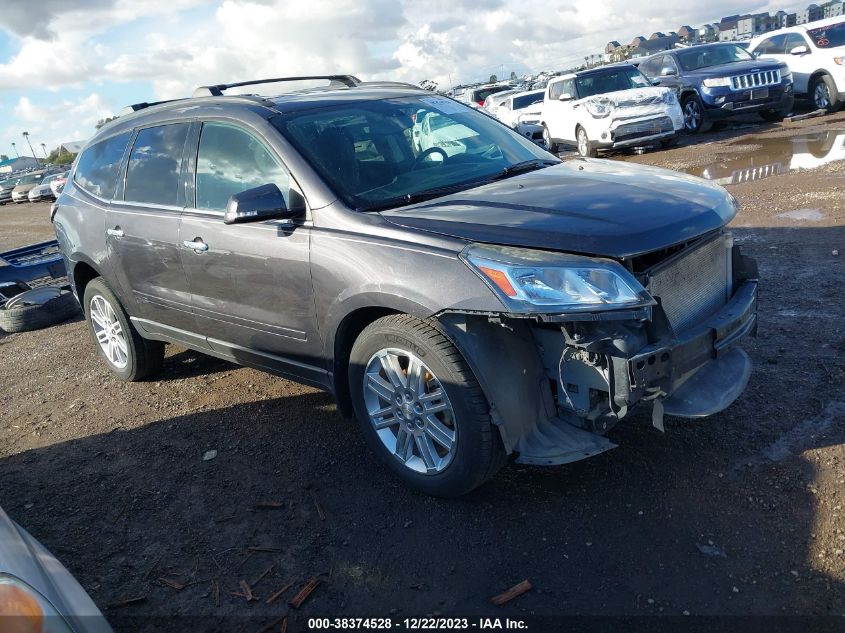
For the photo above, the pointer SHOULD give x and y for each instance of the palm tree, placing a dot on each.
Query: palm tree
(14, 147)
(44, 149)
(26, 136)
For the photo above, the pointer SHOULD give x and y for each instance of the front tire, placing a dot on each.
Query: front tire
(421, 409)
(585, 145)
(824, 94)
(128, 355)
(549, 142)
(695, 119)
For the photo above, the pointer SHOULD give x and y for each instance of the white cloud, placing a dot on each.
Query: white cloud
(74, 43)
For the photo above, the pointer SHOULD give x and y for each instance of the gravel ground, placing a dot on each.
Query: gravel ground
(739, 514)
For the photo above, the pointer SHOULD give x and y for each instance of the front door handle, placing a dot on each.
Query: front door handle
(115, 232)
(197, 245)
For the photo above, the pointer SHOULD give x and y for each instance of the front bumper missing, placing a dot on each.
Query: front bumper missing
(670, 371)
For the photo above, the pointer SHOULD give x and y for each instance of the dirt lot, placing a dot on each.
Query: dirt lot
(738, 514)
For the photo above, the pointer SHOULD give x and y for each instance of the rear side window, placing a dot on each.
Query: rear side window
(96, 170)
(231, 160)
(155, 162)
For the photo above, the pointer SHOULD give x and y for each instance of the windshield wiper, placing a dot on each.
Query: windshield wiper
(422, 196)
(523, 167)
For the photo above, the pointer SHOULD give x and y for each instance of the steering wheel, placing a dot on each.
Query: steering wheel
(431, 150)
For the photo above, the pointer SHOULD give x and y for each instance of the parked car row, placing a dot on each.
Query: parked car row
(649, 101)
(33, 186)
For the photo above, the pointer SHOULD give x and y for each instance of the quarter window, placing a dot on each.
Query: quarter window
(96, 171)
(155, 163)
(231, 160)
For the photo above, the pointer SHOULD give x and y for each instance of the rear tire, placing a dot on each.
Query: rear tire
(128, 355)
(823, 94)
(447, 456)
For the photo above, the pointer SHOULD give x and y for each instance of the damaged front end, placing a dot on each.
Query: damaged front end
(659, 329)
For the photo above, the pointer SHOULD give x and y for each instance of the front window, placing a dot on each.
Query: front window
(697, 58)
(829, 36)
(610, 81)
(382, 153)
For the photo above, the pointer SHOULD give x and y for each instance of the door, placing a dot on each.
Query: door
(142, 225)
(802, 65)
(558, 114)
(250, 283)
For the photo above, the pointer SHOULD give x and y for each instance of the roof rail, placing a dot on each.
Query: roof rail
(390, 84)
(140, 106)
(217, 91)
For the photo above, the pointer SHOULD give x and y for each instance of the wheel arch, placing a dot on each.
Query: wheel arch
(82, 274)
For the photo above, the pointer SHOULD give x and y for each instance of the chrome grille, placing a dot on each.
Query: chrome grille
(756, 80)
(694, 283)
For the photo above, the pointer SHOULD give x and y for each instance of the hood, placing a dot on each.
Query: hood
(647, 95)
(738, 68)
(24, 188)
(25, 558)
(593, 207)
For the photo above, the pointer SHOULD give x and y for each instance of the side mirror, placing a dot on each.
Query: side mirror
(655, 82)
(565, 97)
(256, 205)
(800, 50)
(667, 72)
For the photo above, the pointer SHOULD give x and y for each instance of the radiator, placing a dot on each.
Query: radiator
(694, 283)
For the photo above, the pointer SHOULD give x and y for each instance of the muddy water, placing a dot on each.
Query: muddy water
(776, 156)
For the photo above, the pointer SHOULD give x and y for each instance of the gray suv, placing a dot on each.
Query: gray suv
(466, 302)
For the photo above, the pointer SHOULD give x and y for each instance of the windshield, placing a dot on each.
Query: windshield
(31, 179)
(49, 178)
(828, 36)
(528, 100)
(610, 81)
(697, 58)
(381, 153)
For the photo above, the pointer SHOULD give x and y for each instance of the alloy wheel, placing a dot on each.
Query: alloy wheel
(583, 142)
(109, 332)
(821, 95)
(692, 115)
(410, 411)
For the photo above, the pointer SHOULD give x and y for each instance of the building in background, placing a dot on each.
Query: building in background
(17, 164)
(812, 13)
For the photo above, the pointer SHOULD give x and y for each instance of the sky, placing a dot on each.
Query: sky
(64, 64)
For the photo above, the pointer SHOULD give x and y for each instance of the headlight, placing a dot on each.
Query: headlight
(786, 75)
(670, 97)
(600, 108)
(717, 82)
(538, 281)
(27, 610)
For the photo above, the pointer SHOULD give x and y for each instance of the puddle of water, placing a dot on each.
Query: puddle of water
(805, 215)
(777, 156)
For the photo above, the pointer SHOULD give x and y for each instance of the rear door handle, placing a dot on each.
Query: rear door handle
(197, 245)
(115, 232)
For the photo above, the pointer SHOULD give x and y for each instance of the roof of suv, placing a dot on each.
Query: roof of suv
(267, 105)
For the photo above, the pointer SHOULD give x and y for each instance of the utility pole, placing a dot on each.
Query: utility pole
(44, 149)
(15, 147)
(26, 136)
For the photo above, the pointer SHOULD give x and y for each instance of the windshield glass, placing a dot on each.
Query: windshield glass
(828, 36)
(610, 81)
(381, 153)
(697, 58)
(30, 179)
(528, 100)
